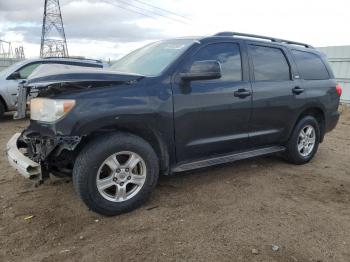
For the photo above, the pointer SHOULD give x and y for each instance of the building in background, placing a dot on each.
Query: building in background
(339, 59)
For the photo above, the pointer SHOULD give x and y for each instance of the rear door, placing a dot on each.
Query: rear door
(278, 94)
(318, 81)
(209, 118)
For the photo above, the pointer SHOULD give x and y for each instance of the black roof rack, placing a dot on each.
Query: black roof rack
(272, 39)
(73, 58)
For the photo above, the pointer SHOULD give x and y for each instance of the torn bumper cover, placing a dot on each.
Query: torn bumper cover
(28, 152)
(24, 165)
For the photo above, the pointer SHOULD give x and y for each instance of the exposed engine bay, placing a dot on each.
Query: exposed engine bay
(41, 142)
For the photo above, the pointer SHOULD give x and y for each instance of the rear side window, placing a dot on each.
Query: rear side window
(270, 64)
(310, 66)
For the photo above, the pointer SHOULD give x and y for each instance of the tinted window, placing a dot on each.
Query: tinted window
(269, 63)
(27, 70)
(229, 56)
(310, 66)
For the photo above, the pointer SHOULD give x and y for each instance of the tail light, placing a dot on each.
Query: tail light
(338, 89)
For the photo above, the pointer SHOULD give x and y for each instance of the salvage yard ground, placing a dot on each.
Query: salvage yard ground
(220, 214)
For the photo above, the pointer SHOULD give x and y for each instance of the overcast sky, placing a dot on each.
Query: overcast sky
(105, 29)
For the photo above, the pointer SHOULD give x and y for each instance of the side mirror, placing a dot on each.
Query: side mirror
(14, 76)
(203, 70)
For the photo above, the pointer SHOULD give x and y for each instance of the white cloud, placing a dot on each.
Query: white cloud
(100, 30)
(106, 50)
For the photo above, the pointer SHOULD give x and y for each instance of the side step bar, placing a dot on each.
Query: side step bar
(228, 158)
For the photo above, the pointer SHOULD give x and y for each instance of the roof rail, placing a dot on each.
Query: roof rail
(272, 39)
(73, 58)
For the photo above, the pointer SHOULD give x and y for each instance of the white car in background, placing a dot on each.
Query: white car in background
(13, 75)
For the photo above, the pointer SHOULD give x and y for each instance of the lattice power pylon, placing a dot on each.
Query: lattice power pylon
(5, 49)
(19, 52)
(53, 38)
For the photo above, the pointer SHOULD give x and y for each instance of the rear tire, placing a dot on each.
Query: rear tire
(127, 184)
(304, 141)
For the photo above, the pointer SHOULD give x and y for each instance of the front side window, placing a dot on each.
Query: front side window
(227, 54)
(270, 64)
(25, 71)
(310, 66)
(152, 59)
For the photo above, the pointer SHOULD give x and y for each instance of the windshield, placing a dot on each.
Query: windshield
(152, 59)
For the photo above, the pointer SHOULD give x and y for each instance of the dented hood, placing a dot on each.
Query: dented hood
(56, 73)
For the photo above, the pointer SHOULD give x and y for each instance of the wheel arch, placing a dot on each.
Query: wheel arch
(2, 100)
(147, 133)
(319, 114)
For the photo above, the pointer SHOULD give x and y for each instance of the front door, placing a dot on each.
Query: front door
(212, 116)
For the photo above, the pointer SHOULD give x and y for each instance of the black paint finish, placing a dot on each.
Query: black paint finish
(188, 121)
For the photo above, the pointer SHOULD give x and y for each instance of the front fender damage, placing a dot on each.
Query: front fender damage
(48, 151)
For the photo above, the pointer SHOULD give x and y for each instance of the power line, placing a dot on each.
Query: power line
(150, 11)
(151, 14)
(162, 9)
(133, 11)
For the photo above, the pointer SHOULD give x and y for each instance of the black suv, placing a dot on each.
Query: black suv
(173, 106)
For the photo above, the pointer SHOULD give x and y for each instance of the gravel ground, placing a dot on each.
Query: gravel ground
(230, 213)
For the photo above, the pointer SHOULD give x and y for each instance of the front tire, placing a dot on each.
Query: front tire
(304, 141)
(115, 173)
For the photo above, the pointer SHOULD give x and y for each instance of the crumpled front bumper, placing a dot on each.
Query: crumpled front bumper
(24, 165)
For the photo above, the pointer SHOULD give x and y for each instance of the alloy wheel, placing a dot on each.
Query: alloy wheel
(306, 140)
(121, 176)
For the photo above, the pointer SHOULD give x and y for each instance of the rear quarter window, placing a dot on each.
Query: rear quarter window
(310, 66)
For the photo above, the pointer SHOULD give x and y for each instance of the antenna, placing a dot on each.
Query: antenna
(53, 38)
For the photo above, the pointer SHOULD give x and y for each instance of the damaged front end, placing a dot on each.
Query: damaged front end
(49, 146)
(36, 156)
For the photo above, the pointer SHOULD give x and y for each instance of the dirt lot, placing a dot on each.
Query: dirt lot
(219, 214)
